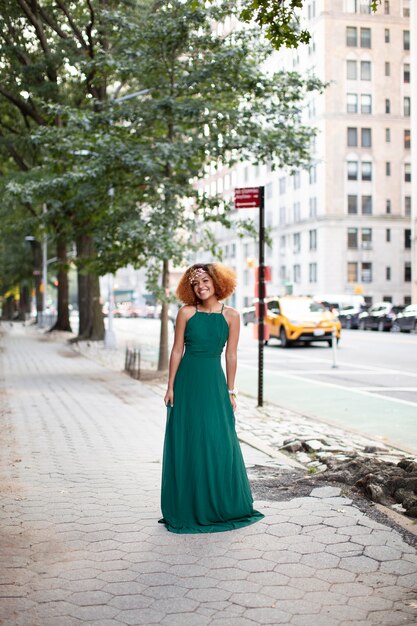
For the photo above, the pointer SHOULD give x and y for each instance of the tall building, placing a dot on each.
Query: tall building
(343, 227)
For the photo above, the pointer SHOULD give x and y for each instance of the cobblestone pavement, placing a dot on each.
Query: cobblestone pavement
(80, 543)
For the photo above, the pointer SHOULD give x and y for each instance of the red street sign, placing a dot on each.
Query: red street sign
(247, 197)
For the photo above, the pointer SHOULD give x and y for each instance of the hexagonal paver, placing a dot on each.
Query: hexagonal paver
(320, 561)
(267, 616)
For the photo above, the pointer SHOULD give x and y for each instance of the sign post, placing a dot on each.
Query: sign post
(251, 198)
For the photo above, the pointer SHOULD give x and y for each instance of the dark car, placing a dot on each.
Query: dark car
(379, 317)
(349, 316)
(249, 315)
(406, 321)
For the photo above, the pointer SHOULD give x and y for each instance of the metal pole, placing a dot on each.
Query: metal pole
(44, 271)
(261, 292)
(334, 348)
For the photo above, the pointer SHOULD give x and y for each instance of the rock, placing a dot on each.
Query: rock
(313, 445)
(302, 457)
(374, 449)
(325, 492)
(412, 512)
(293, 446)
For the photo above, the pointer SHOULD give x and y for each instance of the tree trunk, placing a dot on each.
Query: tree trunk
(91, 323)
(63, 321)
(163, 337)
(24, 302)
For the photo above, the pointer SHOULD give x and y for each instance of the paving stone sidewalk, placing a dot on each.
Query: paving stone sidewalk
(80, 544)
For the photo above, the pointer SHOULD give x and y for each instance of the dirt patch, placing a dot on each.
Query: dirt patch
(276, 484)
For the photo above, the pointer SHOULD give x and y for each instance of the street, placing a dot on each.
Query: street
(373, 389)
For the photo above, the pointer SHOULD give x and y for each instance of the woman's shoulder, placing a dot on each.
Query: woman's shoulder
(230, 312)
(186, 311)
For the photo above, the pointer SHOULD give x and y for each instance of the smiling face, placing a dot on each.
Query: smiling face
(203, 286)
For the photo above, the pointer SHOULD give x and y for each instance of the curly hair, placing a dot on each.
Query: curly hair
(224, 279)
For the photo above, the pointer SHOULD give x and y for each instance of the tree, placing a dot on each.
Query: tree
(205, 99)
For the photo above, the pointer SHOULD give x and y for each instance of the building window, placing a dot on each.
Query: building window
(406, 8)
(351, 36)
(366, 238)
(406, 73)
(387, 135)
(352, 272)
(296, 242)
(386, 7)
(388, 235)
(296, 180)
(407, 172)
(366, 272)
(282, 215)
(351, 70)
(365, 6)
(407, 106)
(282, 272)
(312, 175)
(366, 205)
(352, 238)
(366, 70)
(233, 251)
(313, 207)
(387, 206)
(296, 211)
(387, 273)
(351, 6)
(352, 103)
(387, 168)
(313, 239)
(352, 205)
(296, 273)
(366, 103)
(352, 137)
(407, 139)
(282, 185)
(365, 37)
(352, 170)
(387, 38)
(246, 277)
(387, 68)
(387, 105)
(406, 39)
(407, 272)
(366, 137)
(312, 272)
(407, 206)
(407, 300)
(407, 238)
(366, 170)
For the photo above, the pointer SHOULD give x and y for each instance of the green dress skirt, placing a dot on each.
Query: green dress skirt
(205, 487)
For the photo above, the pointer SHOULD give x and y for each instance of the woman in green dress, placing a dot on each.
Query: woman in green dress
(205, 487)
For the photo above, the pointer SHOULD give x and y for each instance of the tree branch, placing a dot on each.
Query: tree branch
(78, 34)
(23, 106)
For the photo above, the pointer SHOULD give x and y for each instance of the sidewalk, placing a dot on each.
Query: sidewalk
(80, 544)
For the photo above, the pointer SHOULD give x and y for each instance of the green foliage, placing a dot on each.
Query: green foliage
(281, 20)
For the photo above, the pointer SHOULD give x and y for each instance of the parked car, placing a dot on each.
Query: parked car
(300, 318)
(248, 315)
(380, 316)
(349, 316)
(406, 320)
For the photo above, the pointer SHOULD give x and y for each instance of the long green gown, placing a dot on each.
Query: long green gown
(205, 487)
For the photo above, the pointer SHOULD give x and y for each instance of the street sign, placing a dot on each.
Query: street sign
(247, 197)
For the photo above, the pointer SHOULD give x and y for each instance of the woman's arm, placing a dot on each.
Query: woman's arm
(176, 353)
(233, 319)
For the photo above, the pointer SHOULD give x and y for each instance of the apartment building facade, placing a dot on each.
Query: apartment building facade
(344, 226)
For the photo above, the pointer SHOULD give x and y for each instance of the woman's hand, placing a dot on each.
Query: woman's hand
(233, 402)
(169, 397)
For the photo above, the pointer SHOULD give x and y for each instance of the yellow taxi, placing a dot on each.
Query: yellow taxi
(300, 318)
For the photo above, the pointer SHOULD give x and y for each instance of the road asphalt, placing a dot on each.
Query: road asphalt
(80, 543)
